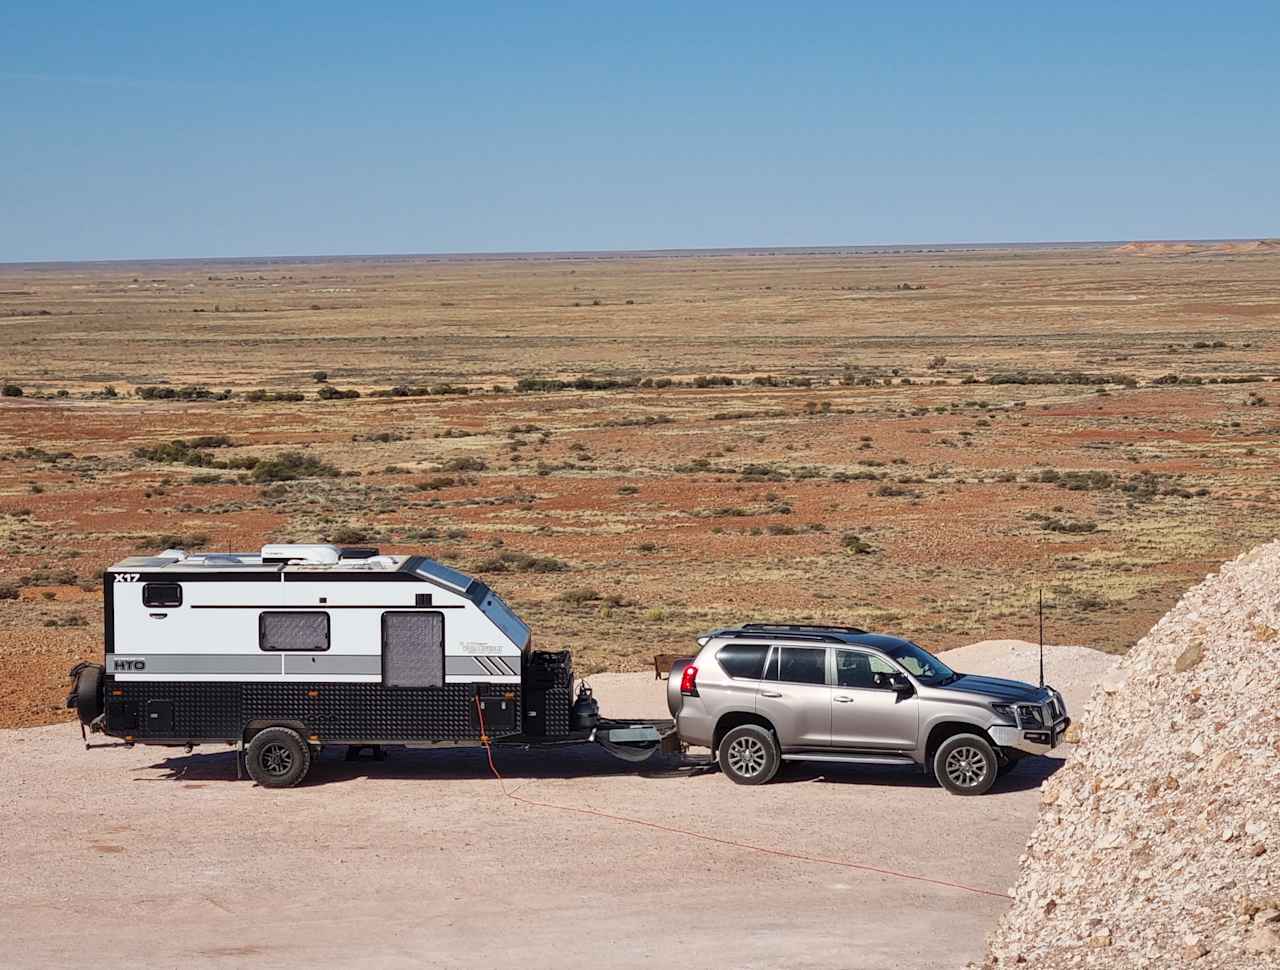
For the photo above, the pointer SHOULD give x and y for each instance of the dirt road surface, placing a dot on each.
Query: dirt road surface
(156, 858)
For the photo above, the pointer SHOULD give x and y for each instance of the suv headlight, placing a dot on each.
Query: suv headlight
(1006, 711)
(1030, 713)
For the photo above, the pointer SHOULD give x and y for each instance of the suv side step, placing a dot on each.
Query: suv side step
(861, 759)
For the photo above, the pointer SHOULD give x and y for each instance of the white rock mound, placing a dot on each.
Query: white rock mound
(1158, 844)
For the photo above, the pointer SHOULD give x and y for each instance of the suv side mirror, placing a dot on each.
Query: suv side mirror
(898, 683)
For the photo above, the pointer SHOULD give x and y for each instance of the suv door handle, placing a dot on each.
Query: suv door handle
(841, 699)
(770, 693)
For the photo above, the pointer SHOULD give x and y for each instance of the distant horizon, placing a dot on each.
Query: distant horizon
(552, 254)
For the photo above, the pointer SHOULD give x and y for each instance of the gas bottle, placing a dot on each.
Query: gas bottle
(586, 710)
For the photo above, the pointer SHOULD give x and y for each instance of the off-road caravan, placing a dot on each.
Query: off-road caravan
(301, 646)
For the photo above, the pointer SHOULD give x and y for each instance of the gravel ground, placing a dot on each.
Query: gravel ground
(160, 858)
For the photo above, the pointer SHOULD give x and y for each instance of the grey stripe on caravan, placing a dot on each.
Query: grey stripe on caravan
(474, 666)
(302, 663)
(294, 664)
(193, 663)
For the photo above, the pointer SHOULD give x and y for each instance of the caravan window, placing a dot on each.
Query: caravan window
(293, 631)
(413, 649)
(162, 594)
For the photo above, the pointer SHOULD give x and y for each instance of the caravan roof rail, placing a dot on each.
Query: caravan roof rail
(857, 631)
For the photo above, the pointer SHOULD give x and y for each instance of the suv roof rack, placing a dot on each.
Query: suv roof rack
(765, 632)
(805, 627)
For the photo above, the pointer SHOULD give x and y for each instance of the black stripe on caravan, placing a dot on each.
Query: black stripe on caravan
(320, 576)
(264, 576)
(193, 577)
(108, 616)
(322, 606)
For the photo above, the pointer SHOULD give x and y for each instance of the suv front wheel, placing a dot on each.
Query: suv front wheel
(965, 764)
(749, 755)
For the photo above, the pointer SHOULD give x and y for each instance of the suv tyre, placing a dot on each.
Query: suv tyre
(965, 764)
(749, 755)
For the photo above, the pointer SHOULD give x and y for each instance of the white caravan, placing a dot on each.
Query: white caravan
(299, 646)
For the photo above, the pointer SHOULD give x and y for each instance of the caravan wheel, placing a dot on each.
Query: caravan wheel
(278, 758)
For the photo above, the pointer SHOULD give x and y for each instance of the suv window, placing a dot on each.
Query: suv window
(798, 665)
(857, 669)
(743, 659)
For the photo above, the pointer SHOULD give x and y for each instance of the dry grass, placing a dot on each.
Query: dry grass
(678, 506)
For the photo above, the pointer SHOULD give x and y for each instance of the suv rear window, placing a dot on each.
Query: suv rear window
(743, 659)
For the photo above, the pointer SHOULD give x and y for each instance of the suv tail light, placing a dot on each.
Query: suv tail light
(689, 681)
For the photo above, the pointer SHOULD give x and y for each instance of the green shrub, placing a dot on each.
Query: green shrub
(465, 464)
(331, 393)
(436, 482)
(190, 392)
(260, 394)
(1068, 527)
(579, 596)
(521, 562)
(172, 540)
(288, 466)
(348, 535)
(856, 544)
(11, 390)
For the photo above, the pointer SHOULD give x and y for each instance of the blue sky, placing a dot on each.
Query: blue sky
(137, 130)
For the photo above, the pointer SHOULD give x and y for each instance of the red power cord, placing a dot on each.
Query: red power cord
(782, 853)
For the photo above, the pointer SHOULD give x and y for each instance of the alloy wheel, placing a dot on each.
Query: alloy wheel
(966, 767)
(747, 757)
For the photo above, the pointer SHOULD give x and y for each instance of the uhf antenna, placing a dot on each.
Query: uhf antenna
(1041, 636)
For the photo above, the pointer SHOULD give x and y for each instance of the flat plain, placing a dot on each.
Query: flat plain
(634, 448)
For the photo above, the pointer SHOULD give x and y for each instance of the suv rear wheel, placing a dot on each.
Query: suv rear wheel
(965, 764)
(749, 755)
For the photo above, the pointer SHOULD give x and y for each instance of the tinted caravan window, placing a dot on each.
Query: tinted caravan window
(162, 594)
(293, 631)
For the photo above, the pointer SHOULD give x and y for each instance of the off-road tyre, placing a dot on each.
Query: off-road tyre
(278, 757)
(86, 693)
(965, 764)
(749, 755)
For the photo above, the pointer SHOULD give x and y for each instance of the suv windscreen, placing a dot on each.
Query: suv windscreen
(798, 665)
(743, 659)
(922, 665)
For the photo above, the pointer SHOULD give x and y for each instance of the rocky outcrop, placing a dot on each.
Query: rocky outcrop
(1158, 844)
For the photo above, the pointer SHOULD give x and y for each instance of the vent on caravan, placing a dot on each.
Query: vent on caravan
(317, 553)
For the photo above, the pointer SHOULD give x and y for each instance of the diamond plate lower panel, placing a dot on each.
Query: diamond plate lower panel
(221, 711)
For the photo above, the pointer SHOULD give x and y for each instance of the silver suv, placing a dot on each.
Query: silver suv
(761, 694)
